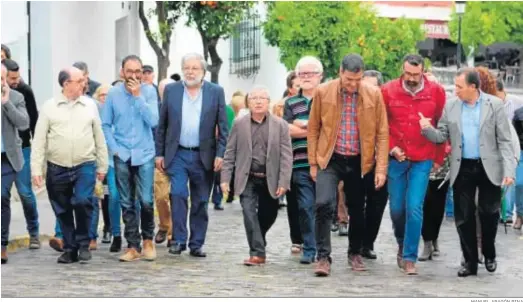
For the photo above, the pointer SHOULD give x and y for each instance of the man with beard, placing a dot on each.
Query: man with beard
(413, 156)
(128, 117)
(23, 178)
(189, 151)
(347, 141)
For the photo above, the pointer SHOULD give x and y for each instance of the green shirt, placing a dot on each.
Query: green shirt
(230, 116)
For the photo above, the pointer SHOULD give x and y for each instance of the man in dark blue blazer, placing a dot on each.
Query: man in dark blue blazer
(189, 151)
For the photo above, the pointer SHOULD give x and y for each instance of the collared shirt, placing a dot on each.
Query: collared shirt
(348, 138)
(260, 141)
(298, 107)
(470, 121)
(128, 122)
(191, 113)
(68, 133)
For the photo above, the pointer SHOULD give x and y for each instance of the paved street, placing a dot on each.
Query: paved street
(221, 274)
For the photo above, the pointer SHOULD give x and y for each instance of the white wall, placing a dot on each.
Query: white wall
(15, 37)
(186, 39)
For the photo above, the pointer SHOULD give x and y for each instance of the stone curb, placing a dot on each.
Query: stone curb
(22, 242)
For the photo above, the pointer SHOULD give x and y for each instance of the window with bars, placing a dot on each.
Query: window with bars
(244, 58)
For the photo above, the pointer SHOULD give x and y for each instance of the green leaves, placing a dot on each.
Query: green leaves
(489, 22)
(330, 30)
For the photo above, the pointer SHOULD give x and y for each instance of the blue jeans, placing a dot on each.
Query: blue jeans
(305, 192)
(187, 167)
(8, 178)
(135, 185)
(115, 210)
(93, 230)
(70, 191)
(449, 203)
(519, 187)
(407, 186)
(25, 190)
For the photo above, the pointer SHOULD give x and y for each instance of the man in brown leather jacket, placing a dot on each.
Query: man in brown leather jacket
(347, 141)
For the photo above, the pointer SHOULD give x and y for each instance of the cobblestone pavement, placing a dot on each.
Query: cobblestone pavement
(221, 274)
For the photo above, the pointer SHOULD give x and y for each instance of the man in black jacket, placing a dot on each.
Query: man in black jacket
(23, 178)
(91, 84)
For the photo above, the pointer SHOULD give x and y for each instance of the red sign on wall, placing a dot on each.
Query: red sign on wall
(436, 29)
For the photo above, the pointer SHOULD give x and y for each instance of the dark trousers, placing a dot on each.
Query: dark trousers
(375, 203)
(433, 209)
(8, 178)
(293, 215)
(135, 186)
(472, 176)
(70, 191)
(348, 170)
(187, 167)
(105, 213)
(259, 214)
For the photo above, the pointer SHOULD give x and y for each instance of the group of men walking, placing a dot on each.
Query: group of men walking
(380, 142)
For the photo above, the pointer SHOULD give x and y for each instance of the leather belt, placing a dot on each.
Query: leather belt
(258, 174)
(189, 148)
(471, 160)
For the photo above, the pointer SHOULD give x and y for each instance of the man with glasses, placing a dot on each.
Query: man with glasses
(309, 71)
(189, 151)
(412, 155)
(347, 141)
(128, 117)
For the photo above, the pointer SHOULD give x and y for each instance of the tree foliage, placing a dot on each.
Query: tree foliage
(330, 30)
(216, 20)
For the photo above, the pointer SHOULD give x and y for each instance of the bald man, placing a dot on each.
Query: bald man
(162, 189)
(69, 140)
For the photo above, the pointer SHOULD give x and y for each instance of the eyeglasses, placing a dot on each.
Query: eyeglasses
(137, 71)
(193, 69)
(258, 99)
(308, 74)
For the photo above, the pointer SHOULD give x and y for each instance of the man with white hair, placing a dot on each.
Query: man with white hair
(309, 71)
(188, 149)
(260, 153)
(162, 188)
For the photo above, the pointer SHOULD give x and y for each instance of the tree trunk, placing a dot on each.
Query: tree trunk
(163, 64)
(209, 48)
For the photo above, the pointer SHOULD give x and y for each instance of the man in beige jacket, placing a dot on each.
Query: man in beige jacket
(69, 136)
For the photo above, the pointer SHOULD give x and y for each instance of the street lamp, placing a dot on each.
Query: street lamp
(460, 11)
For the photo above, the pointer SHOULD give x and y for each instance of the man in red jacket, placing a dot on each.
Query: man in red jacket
(412, 155)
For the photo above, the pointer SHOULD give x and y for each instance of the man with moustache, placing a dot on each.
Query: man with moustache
(128, 117)
(412, 155)
(189, 151)
(347, 141)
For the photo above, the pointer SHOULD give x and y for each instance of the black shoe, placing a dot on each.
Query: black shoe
(491, 265)
(107, 237)
(68, 257)
(219, 207)
(84, 256)
(160, 237)
(465, 272)
(368, 253)
(198, 253)
(177, 249)
(117, 244)
(169, 243)
(335, 227)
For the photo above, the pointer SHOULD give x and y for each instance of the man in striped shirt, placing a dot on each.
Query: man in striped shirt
(296, 112)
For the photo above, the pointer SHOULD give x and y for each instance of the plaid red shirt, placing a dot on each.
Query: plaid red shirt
(348, 138)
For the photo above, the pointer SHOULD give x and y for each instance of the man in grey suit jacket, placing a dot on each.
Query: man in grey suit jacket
(482, 158)
(260, 153)
(14, 119)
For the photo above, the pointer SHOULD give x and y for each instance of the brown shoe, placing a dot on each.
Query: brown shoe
(93, 245)
(410, 268)
(4, 254)
(56, 244)
(131, 254)
(356, 262)
(399, 257)
(160, 237)
(149, 250)
(323, 268)
(519, 223)
(254, 261)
